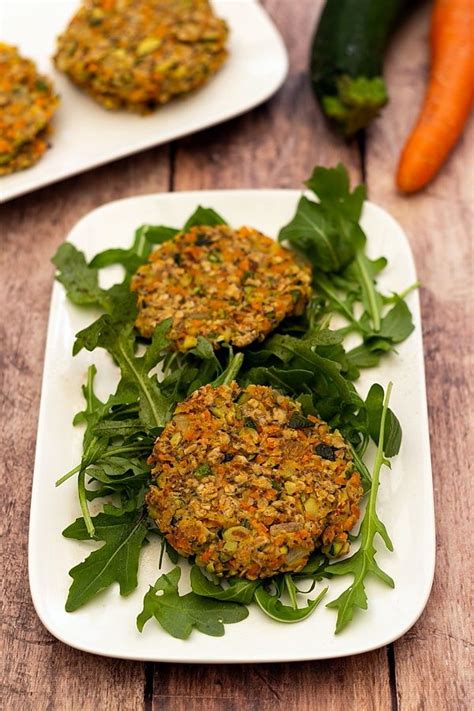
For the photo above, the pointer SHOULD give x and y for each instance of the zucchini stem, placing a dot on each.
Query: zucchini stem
(357, 102)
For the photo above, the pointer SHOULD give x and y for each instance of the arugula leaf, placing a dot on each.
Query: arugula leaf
(148, 235)
(238, 590)
(80, 281)
(172, 554)
(285, 379)
(272, 607)
(178, 615)
(92, 446)
(312, 234)
(327, 232)
(329, 235)
(363, 562)
(397, 324)
(111, 469)
(116, 561)
(136, 383)
(145, 237)
(205, 351)
(115, 428)
(287, 348)
(368, 354)
(232, 370)
(314, 567)
(373, 267)
(204, 216)
(392, 437)
(370, 297)
(153, 234)
(331, 185)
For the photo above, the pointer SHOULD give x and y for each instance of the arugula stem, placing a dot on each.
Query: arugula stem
(91, 373)
(362, 563)
(156, 415)
(291, 589)
(162, 552)
(309, 590)
(367, 533)
(67, 476)
(81, 489)
(369, 289)
(230, 373)
(361, 468)
(379, 457)
(145, 447)
(325, 322)
(140, 246)
(403, 294)
(323, 285)
(109, 453)
(169, 362)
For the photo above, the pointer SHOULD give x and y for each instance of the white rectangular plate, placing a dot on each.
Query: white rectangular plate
(86, 135)
(107, 624)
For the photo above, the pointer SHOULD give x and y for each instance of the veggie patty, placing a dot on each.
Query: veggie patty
(250, 486)
(230, 286)
(138, 54)
(27, 103)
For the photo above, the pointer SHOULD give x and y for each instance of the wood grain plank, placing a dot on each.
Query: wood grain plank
(276, 687)
(40, 672)
(275, 145)
(432, 660)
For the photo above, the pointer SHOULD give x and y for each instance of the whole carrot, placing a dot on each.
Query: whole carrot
(448, 98)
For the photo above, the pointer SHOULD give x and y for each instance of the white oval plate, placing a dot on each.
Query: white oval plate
(86, 135)
(405, 503)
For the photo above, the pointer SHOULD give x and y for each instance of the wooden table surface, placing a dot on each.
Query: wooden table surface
(276, 145)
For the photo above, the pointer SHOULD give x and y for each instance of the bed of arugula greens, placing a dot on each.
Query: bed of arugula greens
(303, 358)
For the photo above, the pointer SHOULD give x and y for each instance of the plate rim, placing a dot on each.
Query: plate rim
(35, 588)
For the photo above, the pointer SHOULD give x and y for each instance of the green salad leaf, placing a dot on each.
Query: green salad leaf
(363, 563)
(204, 216)
(301, 353)
(116, 561)
(327, 232)
(136, 385)
(145, 237)
(392, 435)
(397, 324)
(179, 615)
(274, 608)
(238, 589)
(329, 235)
(80, 281)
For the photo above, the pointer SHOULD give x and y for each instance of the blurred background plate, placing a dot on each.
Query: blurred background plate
(86, 135)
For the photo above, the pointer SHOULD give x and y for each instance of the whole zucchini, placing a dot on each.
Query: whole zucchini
(347, 59)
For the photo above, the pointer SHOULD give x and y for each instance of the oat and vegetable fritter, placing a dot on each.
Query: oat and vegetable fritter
(27, 103)
(249, 485)
(230, 286)
(138, 54)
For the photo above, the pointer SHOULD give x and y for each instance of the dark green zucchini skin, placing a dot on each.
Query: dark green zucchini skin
(347, 59)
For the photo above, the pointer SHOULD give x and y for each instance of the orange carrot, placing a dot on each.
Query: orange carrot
(449, 95)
